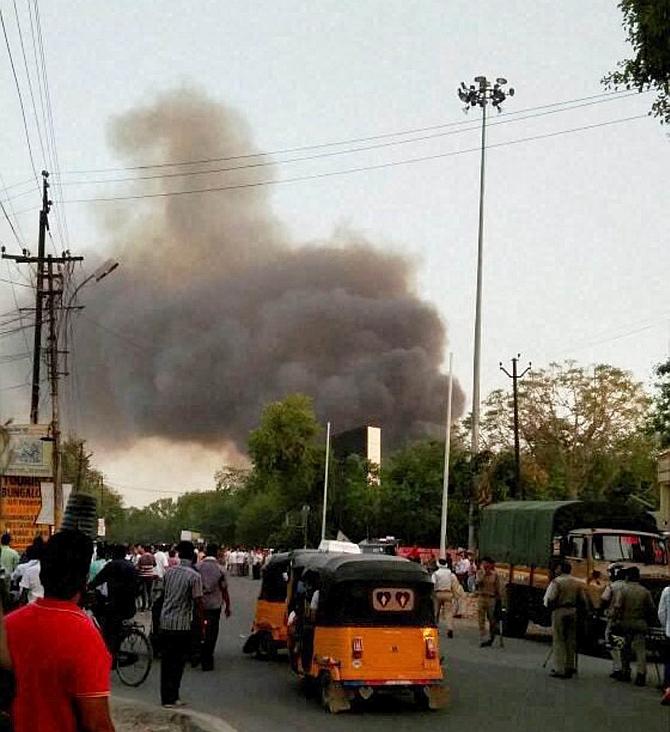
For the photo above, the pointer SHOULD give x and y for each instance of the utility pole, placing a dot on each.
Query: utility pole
(39, 294)
(53, 296)
(519, 489)
(55, 406)
(482, 95)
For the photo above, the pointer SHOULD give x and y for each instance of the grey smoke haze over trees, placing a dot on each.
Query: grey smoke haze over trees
(215, 311)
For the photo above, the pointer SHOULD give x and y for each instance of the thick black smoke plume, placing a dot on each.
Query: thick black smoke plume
(214, 312)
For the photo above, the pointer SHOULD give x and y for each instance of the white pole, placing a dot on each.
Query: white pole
(445, 475)
(325, 485)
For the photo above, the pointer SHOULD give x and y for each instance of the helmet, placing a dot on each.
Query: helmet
(614, 571)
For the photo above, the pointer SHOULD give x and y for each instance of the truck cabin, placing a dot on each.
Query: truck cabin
(610, 546)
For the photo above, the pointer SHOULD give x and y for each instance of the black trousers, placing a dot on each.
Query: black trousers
(175, 649)
(212, 620)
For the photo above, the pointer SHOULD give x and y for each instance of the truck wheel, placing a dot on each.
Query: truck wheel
(515, 618)
(515, 626)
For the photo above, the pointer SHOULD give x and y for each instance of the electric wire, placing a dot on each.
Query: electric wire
(29, 78)
(20, 96)
(475, 126)
(348, 141)
(61, 218)
(349, 171)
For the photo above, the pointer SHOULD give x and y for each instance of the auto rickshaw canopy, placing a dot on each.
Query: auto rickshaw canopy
(347, 584)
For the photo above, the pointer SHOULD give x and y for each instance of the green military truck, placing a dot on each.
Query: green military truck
(527, 537)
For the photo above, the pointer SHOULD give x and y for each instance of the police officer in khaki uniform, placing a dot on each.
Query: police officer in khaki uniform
(613, 642)
(562, 597)
(489, 588)
(633, 612)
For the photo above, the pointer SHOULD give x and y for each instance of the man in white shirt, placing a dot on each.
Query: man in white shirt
(31, 584)
(161, 557)
(664, 617)
(447, 590)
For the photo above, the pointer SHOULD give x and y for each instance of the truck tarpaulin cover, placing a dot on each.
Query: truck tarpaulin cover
(522, 532)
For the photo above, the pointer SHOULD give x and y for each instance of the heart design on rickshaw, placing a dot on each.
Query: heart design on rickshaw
(402, 598)
(383, 598)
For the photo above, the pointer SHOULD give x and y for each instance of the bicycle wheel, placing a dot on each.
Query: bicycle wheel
(133, 659)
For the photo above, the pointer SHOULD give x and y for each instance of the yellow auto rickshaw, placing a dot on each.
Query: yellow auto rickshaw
(268, 630)
(363, 625)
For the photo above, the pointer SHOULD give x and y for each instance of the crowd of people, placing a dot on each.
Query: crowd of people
(59, 663)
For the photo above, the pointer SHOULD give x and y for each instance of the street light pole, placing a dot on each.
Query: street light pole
(482, 95)
(445, 471)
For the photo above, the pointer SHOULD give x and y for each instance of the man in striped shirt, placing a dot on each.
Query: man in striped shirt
(182, 601)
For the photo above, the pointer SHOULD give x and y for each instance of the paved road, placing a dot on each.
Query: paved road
(495, 690)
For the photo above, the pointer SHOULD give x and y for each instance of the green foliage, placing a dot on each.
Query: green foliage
(4, 448)
(647, 24)
(259, 519)
(659, 421)
(582, 432)
(411, 494)
(79, 471)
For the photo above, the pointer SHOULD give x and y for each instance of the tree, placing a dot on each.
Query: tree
(659, 421)
(411, 494)
(582, 432)
(259, 519)
(79, 471)
(647, 24)
(4, 448)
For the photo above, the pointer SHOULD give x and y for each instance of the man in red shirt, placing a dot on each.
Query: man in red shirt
(61, 663)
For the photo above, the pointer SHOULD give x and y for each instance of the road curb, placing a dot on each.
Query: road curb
(201, 722)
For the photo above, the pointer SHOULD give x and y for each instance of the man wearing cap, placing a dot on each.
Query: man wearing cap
(612, 641)
(633, 612)
(489, 588)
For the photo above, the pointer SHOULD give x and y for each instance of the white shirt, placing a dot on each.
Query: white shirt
(17, 574)
(31, 581)
(161, 563)
(443, 579)
(463, 566)
(664, 610)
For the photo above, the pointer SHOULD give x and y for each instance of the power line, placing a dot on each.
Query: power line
(378, 166)
(11, 225)
(51, 130)
(608, 96)
(13, 282)
(121, 336)
(473, 126)
(18, 91)
(28, 76)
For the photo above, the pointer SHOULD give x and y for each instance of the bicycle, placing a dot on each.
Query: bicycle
(134, 656)
(133, 659)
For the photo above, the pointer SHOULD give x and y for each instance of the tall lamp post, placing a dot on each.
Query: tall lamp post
(480, 94)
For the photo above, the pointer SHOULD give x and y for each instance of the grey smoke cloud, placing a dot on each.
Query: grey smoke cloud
(215, 311)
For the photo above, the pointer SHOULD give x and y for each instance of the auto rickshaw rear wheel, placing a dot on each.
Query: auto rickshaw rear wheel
(421, 699)
(266, 649)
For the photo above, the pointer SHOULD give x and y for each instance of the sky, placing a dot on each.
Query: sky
(576, 237)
